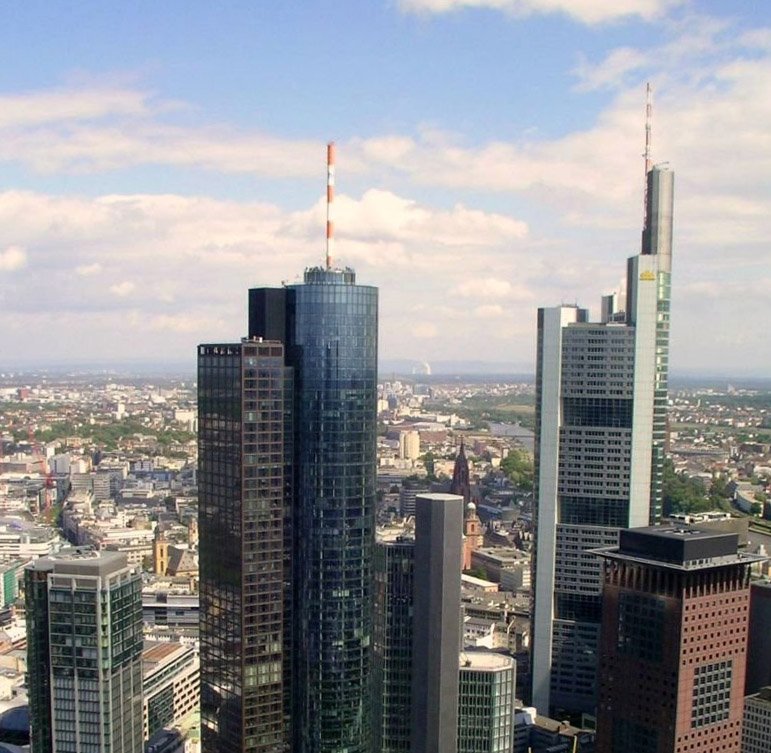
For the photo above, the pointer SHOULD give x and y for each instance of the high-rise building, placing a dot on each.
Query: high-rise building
(758, 645)
(756, 727)
(601, 400)
(394, 564)
(243, 571)
(486, 702)
(287, 455)
(328, 326)
(674, 618)
(437, 624)
(84, 648)
(417, 630)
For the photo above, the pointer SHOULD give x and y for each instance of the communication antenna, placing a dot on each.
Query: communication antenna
(330, 199)
(648, 117)
(648, 164)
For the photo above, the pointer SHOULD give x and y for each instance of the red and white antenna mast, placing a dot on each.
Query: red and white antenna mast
(330, 199)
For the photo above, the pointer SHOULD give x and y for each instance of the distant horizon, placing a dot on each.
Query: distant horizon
(398, 368)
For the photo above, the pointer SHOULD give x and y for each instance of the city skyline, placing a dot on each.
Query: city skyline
(488, 162)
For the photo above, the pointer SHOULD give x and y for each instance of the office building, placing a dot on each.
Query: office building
(601, 400)
(674, 620)
(242, 484)
(394, 563)
(171, 685)
(437, 623)
(756, 729)
(758, 646)
(486, 703)
(84, 647)
(328, 325)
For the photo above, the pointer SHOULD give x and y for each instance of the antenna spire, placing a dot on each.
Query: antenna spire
(648, 117)
(330, 199)
(648, 165)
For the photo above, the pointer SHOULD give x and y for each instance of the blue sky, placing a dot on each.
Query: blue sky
(157, 158)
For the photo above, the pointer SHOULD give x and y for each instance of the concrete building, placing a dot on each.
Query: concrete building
(437, 623)
(674, 617)
(601, 401)
(486, 703)
(84, 636)
(756, 730)
(409, 445)
(171, 685)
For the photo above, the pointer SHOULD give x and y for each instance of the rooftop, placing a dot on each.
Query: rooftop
(679, 548)
(485, 661)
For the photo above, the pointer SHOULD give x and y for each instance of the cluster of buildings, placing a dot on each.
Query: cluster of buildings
(334, 568)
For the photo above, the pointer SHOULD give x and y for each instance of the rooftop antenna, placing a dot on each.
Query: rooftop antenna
(330, 199)
(648, 117)
(648, 162)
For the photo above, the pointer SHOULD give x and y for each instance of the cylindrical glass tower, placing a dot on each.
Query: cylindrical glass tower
(332, 338)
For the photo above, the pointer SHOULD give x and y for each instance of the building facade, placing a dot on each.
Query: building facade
(756, 730)
(171, 685)
(394, 569)
(328, 326)
(437, 624)
(601, 398)
(486, 703)
(242, 468)
(84, 647)
(674, 617)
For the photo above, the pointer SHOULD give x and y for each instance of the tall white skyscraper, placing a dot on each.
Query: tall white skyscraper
(601, 401)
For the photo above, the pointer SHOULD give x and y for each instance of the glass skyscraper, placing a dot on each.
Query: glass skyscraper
(328, 326)
(84, 649)
(601, 412)
(392, 655)
(244, 583)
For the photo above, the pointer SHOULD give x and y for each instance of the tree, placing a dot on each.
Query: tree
(683, 493)
(518, 467)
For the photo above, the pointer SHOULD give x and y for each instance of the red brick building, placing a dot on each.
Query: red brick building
(673, 644)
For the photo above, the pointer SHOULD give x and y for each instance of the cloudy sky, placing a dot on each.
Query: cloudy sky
(156, 159)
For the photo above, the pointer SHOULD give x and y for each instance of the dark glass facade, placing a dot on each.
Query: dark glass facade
(244, 582)
(330, 327)
(392, 653)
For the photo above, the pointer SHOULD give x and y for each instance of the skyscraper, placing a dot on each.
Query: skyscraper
(674, 617)
(243, 569)
(328, 325)
(394, 569)
(84, 648)
(601, 401)
(486, 702)
(287, 432)
(417, 630)
(437, 623)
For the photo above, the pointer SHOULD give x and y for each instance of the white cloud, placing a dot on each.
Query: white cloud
(612, 71)
(488, 287)
(70, 104)
(122, 289)
(12, 258)
(425, 330)
(88, 270)
(489, 311)
(585, 11)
